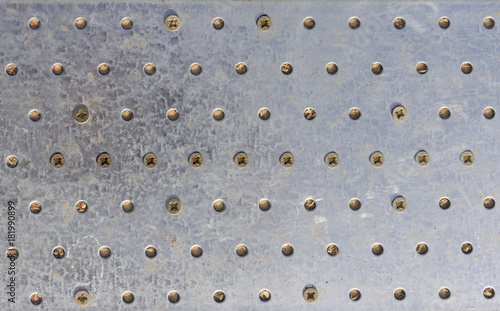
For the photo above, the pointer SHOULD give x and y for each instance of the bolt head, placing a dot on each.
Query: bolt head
(82, 298)
(172, 23)
(377, 159)
(174, 206)
(399, 204)
(467, 158)
(310, 294)
(264, 22)
(422, 158)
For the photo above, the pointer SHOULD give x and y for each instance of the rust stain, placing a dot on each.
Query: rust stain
(173, 241)
(67, 212)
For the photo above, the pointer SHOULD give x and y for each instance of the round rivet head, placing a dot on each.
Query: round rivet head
(444, 22)
(466, 68)
(377, 68)
(219, 296)
(422, 158)
(36, 299)
(422, 248)
(467, 248)
(241, 68)
(219, 206)
(377, 249)
(172, 23)
(264, 22)
(58, 252)
(354, 204)
(377, 159)
(127, 206)
(309, 23)
(310, 294)
(105, 252)
(173, 297)
(150, 251)
(286, 68)
(399, 204)
(489, 203)
(265, 295)
(264, 114)
(172, 114)
(174, 206)
(489, 113)
(488, 22)
(399, 23)
(196, 251)
(103, 69)
(422, 68)
(35, 115)
(354, 23)
(195, 69)
(81, 206)
(11, 69)
(57, 69)
(82, 298)
(332, 250)
(287, 159)
(331, 68)
(264, 205)
(12, 253)
(355, 294)
(57, 160)
(128, 297)
(81, 114)
(80, 23)
(399, 294)
(467, 158)
(11, 161)
(241, 250)
(309, 204)
(218, 23)
(150, 160)
(287, 250)
(444, 293)
(149, 69)
(127, 115)
(34, 23)
(309, 113)
(489, 292)
(241, 159)
(444, 203)
(444, 113)
(35, 207)
(127, 23)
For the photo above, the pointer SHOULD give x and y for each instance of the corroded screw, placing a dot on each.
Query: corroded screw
(127, 206)
(103, 69)
(12, 253)
(81, 206)
(422, 68)
(467, 248)
(444, 203)
(287, 250)
(264, 22)
(172, 23)
(57, 160)
(34, 23)
(287, 159)
(57, 69)
(173, 297)
(399, 113)
(377, 159)
(488, 23)
(80, 23)
(422, 158)
(241, 159)
(309, 23)
(81, 114)
(150, 160)
(332, 68)
(422, 248)
(444, 293)
(36, 299)
(377, 249)
(399, 204)
(309, 113)
(354, 113)
(174, 206)
(467, 158)
(309, 204)
(104, 160)
(195, 69)
(35, 207)
(82, 298)
(195, 159)
(241, 250)
(219, 206)
(264, 114)
(264, 295)
(264, 205)
(310, 294)
(35, 115)
(127, 23)
(399, 294)
(399, 23)
(11, 161)
(149, 69)
(11, 69)
(466, 68)
(128, 297)
(241, 68)
(104, 252)
(354, 294)
(354, 23)
(150, 251)
(58, 252)
(444, 22)
(332, 250)
(332, 159)
(489, 292)
(218, 23)
(196, 251)
(219, 296)
(286, 68)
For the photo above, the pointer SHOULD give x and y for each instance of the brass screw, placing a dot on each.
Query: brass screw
(466, 68)
(264, 22)
(422, 248)
(127, 206)
(12, 253)
(35, 115)
(467, 158)
(35, 207)
(309, 113)
(241, 68)
(174, 206)
(489, 113)
(150, 160)
(354, 23)
(264, 114)
(444, 113)
(103, 69)
(377, 68)
(444, 293)
(488, 22)
(310, 294)
(399, 294)
(422, 158)
(332, 68)
(219, 206)
(196, 251)
(195, 159)
(36, 299)
(377, 159)
(58, 252)
(241, 250)
(332, 250)
(81, 114)
(104, 160)
(11, 69)
(354, 113)
(444, 22)
(422, 68)
(265, 295)
(354, 294)
(218, 23)
(286, 68)
(399, 23)
(127, 23)
(173, 114)
(241, 159)
(128, 297)
(218, 114)
(81, 206)
(57, 69)
(105, 252)
(377, 249)
(219, 296)
(34, 23)
(173, 297)
(127, 115)
(489, 203)
(287, 159)
(309, 23)
(11, 161)
(467, 248)
(399, 113)
(57, 160)
(80, 23)
(82, 298)
(264, 205)
(355, 204)
(172, 23)
(332, 159)
(489, 292)
(195, 69)
(149, 69)
(287, 250)
(399, 204)
(444, 203)
(309, 204)
(150, 251)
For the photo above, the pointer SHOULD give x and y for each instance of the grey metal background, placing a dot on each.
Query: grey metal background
(241, 97)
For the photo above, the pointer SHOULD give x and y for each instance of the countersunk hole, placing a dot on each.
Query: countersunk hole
(489, 202)
(128, 297)
(264, 205)
(466, 68)
(218, 114)
(57, 69)
(287, 250)
(35, 207)
(172, 114)
(422, 68)
(354, 113)
(355, 204)
(150, 251)
(444, 113)
(58, 252)
(331, 68)
(444, 203)
(11, 161)
(103, 69)
(265, 295)
(11, 69)
(241, 250)
(36, 299)
(105, 252)
(126, 23)
(467, 248)
(127, 115)
(195, 69)
(444, 22)
(488, 22)
(219, 296)
(399, 294)
(80, 23)
(241, 68)
(399, 23)
(489, 113)
(377, 68)
(332, 249)
(489, 292)
(81, 206)
(309, 113)
(422, 248)
(149, 69)
(377, 249)
(35, 115)
(196, 251)
(173, 297)
(444, 293)
(309, 23)
(354, 294)
(354, 23)
(127, 206)
(286, 68)
(309, 204)
(218, 23)
(34, 23)
(219, 206)
(264, 114)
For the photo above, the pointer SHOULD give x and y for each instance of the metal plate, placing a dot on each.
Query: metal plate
(241, 97)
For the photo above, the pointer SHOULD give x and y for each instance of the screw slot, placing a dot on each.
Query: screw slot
(331, 68)
(377, 159)
(309, 204)
(287, 250)
(150, 251)
(150, 160)
(489, 113)
(218, 114)
(81, 114)
(466, 68)
(332, 249)
(219, 296)
(310, 294)
(264, 114)
(241, 250)
(355, 204)
(127, 23)
(36, 299)
(422, 158)
(11, 161)
(82, 298)
(377, 249)
(265, 295)
(467, 248)
(195, 69)
(399, 294)
(444, 22)
(11, 69)
(377, 68)
(399, 113)
(241, 159)
(264, 22)
(399, 204)
(57, 160)
(172, 114)
(196, 251)
(354, 294)
(127, 115)
(309, 113)
(264, 205)
(103, 69)
(218, 23)
(128, 297)
(57, 69)
(286, 68)
(241, 68)
(105, 252)
(80, 23)
(172, 23)
(219, 206)
(444, 203)
(354, 23)
(35, 115)
(422, 248)
(467, 158)
(58, 252)
(287, 159)
(104, 160)
(399, 23)
(174, 206)
(81, 206)
(489, 292)
(34, 23)
(444, 113)
(173, 297)
(488, 22)
(422, 68)
(444, 293)
(489, 203)
(127, 206)
(35, 207)
(195, 159)
(149, 69)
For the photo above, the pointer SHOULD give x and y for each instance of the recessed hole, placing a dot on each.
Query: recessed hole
(354, 294)
(309, 204)
(58, 252)
(488, 22)
(264, 22)
(264, 114)
(57, 160)
(173, 297)
(489, 113)
(354, 113)
(422, 68)
(127, 23)
(150, 251)
(127, 206)
(34, 23)
(172, 23)
(195, 159)
(150, 160)
(128, 297)
(467, 248)
(35, 115)
(11, 161)
(422, 248)
(399, 294)
(80, 23)
(354, 23)
(218, 114)
(11, 69)
(219, 206)
(81, 206)
(265, 295)
(355, 204)
(332, 159)
(241, 250)
(219, 296)
(399, 23)
(57, 69)
(489, 292)
(35, 207)
(377, 249)
(149, 69)
(105, 252)
(286, 68)
(489, 202)
(466, 68)
(104, 160)
(444, 293)
(332, 249)
(240, 159)
(196, 251)
(264, 205)
(444, 22)
(444, 203)
(444, 113)
(195, 69)
(377, 68)
(174, 206)
(332, 68)
(218, 23)
(36, 299)
(287, 250)
(173, 114)
(127, 115)
(287, 159)
(309, 113)
(241, 68)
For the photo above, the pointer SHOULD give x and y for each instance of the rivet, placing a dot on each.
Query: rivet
(34, 23)
(264, 295)
(466, 68)
(332, 249)
(35, 115)
(218, 23)
(309, 113)
(467, 248)
(377, 249)
(354, 23)
(444, 22)
(57, 69)
(444, 293)
(195, 69)
(422, 248)
(35, 207)
(58, 252)
(149, 69)
(264, 114)
(173, 297)
(127, 23)
(287, 250)
(399, 294)
(36, 299)
(286, 68)
(81, 206)
(80, 23)
(219, 296)
(488, 22)
(103, 69)
(241, 68)
(309, 204)
(399, 23)
(377, 68)
(81, 114)
(354, 294)
(11, 161)
(11, 69)
(150, 251)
